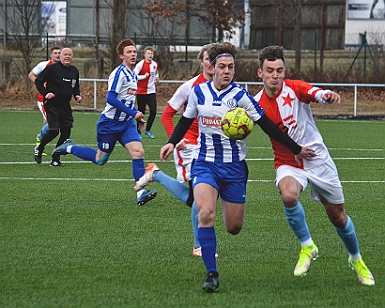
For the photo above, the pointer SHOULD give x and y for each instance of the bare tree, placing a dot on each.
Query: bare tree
(222, 17)
(117, 26)
(160, 21)
(297, 8)
(25, 26)
(289, 13)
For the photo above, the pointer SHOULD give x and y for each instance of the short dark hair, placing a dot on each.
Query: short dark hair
(220, 48)
(124, 43)
(271, 53)
(55, 48)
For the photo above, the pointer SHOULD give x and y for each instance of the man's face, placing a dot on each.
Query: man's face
(272, 75)
(148, 56)
(129, 56)
(208, 69)
(66, 56)
(55, 55)
(224, 70)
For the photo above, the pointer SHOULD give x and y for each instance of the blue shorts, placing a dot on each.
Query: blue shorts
(229, 179)
(108, 132)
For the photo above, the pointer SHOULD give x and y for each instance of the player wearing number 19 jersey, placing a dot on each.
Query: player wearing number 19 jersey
(116, 123)
(287, 104)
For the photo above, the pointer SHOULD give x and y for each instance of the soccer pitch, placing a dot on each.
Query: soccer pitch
(74, 236)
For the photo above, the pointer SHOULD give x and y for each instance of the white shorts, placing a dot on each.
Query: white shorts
(323, 180)
(183, 160)
(42, 109)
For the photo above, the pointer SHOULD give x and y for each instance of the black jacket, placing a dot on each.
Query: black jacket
(63, 81)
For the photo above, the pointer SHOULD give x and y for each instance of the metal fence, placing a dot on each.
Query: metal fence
(246, 85)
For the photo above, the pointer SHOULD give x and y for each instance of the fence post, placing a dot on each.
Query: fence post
(95, 94)
(355, 101)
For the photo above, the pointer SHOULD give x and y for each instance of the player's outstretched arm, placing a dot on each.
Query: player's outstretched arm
(331, 97)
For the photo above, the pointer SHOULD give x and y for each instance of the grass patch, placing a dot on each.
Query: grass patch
(74, 236)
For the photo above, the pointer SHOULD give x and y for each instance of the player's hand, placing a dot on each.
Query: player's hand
(332, 97)
(166, 151)
(181, 145)
(49, 96)
(306, 153)
(141, 125)
(139, 117)
(78, 99)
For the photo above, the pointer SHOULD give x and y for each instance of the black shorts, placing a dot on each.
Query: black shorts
(58, 117)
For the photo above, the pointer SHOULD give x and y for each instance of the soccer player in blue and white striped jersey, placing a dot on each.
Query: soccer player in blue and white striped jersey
(219, 168)
(116, 123)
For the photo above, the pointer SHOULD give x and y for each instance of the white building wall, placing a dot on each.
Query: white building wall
(365, 16)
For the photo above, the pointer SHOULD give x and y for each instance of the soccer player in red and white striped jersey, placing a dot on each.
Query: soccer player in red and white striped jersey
(287, 104)
(148, 75)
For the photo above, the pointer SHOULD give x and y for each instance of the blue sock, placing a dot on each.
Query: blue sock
(138, 168)
(296, 218)
(349, 237)
(194, 220)
(84, 153)
(208, 241)
(178, 189)
(44, 131)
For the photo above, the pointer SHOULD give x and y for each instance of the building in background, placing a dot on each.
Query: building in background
(365, 16)
(332, 24)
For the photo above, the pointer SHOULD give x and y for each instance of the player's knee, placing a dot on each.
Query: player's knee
(137, 153)
(103, 160)
(234, 228)
(289, 199)
(206, 218)
(338, 219)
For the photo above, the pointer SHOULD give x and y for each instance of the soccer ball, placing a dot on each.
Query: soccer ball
(237, 123)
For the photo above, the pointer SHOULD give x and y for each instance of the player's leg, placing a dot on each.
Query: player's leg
(232, 191)
(205, 198)
(209, 181)
(326, 185)
(106, 144)
(346, 231)
(65, 124)
(197, 250)
(152, 105)
(44, 130)
(53, 123)
(131, 141)
(141, 101)
(291, 182)
(65, 133)
(153, 173)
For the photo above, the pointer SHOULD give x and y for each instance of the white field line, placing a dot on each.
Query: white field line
(158, 161)
(5, 178)
(32, 145)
